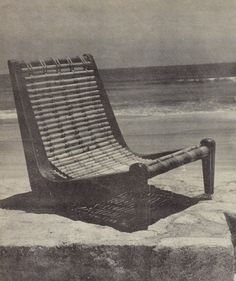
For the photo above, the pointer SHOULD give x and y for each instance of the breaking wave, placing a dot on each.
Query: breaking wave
(8, 114)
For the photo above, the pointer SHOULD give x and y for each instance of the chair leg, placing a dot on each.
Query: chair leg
(208, 166)
(139, 191)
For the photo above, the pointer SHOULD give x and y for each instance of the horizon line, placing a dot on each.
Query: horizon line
(152, 66)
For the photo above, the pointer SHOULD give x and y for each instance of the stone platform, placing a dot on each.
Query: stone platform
(192, 242)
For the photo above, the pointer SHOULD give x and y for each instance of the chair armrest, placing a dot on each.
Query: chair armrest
(176, 159)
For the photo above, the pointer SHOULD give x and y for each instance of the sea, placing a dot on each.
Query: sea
(153, 91)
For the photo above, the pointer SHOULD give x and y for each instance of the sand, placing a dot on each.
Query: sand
(201, 231)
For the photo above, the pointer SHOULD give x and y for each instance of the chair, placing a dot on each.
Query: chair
(72, 143)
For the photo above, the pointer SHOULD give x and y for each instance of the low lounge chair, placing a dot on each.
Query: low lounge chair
(72, 142)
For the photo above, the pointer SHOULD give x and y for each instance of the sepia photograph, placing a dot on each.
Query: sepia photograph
(117, 140)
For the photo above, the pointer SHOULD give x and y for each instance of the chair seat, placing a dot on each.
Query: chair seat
(116, 159)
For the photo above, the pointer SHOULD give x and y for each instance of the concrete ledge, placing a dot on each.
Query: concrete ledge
(193, 259)
(194, 244)
(172, 259)
(36, 247)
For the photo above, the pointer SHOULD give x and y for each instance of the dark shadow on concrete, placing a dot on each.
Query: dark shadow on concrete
(117, 212)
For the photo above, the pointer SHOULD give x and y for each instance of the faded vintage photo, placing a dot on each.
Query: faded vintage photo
(117, 140)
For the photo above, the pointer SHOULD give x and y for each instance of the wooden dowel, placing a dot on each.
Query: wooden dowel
(62, 87)
(103, 160)
(176, 154)
(111, 148)
(59, 75)
(208, 165)
(83, 146)
(96, 152)
(76, 104)
(80, 150)
(77, 154)
(98, 169)
(53, 140)
(95, 171)
(49, 98)
(55, 67)
(58, 144)
(177, 160)
(139, 191)
(48, 117)
(60, 82)
(66, 99)
(72, 130)
(74, 120)
(82, 127)
(80, 92)
(117, 163)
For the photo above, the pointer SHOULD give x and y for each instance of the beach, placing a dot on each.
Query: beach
(32, 228)
(157, 109)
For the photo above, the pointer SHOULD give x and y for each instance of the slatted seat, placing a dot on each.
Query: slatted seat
(71, 137)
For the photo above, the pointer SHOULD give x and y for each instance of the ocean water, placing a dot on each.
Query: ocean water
(150, 91)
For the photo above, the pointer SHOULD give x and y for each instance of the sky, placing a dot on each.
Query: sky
(119, 33)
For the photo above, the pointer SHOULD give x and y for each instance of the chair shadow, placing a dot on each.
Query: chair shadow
(117, 212)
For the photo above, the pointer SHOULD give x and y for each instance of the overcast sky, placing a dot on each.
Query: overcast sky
(119, 33)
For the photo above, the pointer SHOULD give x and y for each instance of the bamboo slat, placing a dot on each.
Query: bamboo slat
(73, 119)
(48, 98)
(104, 158)
(62, 87)
(56, 114)
(49, 108)
(77, 153)
(58, 75)
(62, 81)
(95, 153)
(68, 126)
(78, 150)
(66, 138)
(83, 147)
(64, 143)
(55, 67)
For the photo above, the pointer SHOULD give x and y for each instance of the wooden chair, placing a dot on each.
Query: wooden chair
(72, 143)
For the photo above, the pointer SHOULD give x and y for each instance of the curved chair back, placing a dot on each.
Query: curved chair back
(64, 112)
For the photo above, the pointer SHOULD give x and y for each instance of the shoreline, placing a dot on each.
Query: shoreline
(10, 114)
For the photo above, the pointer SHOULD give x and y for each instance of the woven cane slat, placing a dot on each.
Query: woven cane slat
(50, 83)
(69, 119)
(96, 152)
(61, 99)
(61, 87)
(54, 137)
(77, 143)
(111, 157)
(54, 67)
(77, 152)
(83, 147)
(70, 125)
(65, 141)
(59, 94)
(105, 157)
(109, 161)
(55, 114)
(57, 75)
